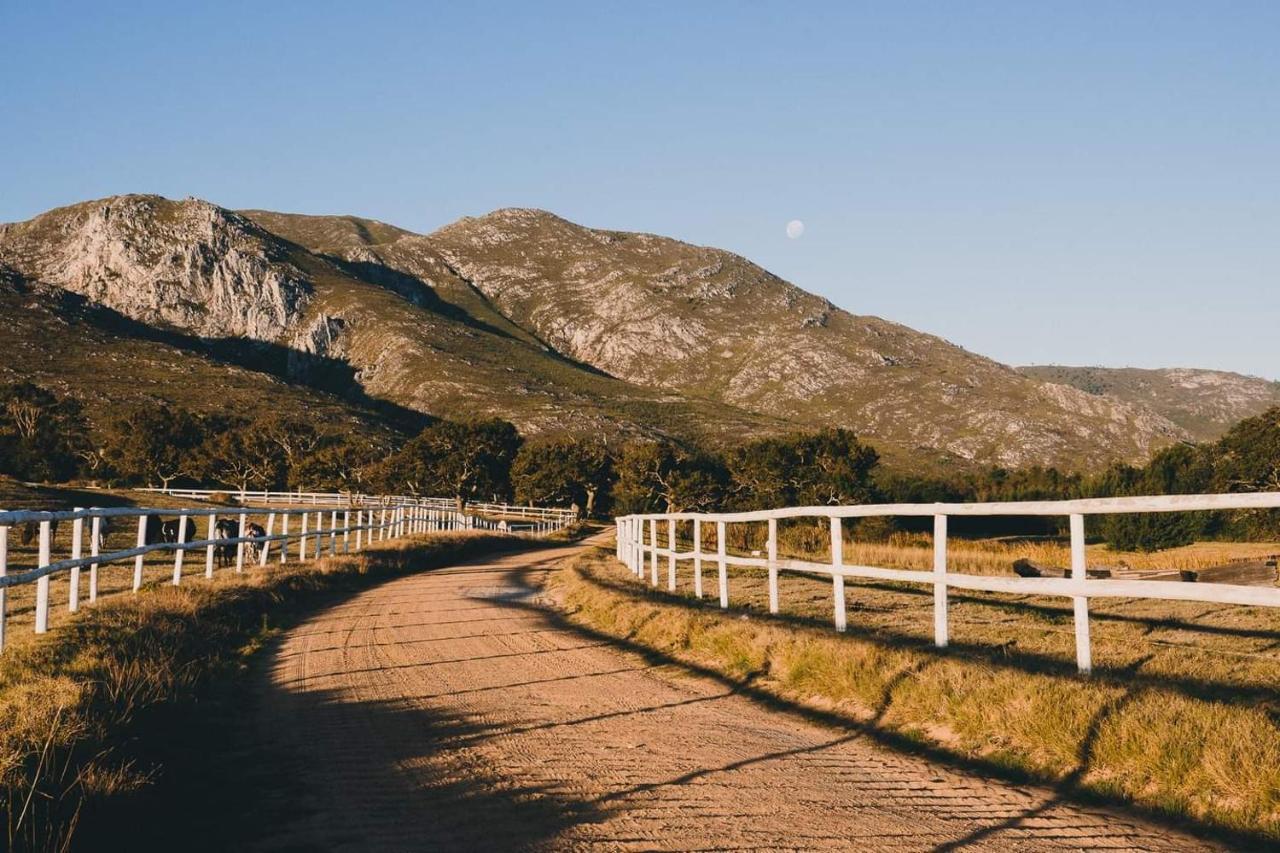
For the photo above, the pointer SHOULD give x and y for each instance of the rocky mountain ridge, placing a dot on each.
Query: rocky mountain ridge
(1204, 403)
(525, 315)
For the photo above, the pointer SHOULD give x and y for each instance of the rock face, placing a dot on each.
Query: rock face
(1204, 403)
(523, 315)
(189, 265)
(703, 321)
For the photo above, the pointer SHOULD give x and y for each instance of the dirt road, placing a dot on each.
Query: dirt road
(452, 710)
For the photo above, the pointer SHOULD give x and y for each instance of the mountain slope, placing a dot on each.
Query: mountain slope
(704, 321)
(348, 324)
(1205, 403)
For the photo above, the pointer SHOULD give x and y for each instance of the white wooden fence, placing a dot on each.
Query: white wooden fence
(300, 498)
(638, 538)
(372, 520)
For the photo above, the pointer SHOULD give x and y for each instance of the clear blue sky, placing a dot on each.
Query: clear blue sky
(1038, 182)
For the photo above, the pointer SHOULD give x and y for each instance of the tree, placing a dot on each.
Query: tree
(662, 477)
(338, 462)
(465, 460)
(153, 443)
(42, 436)
(825, 467)
(239, 453)
(561, 472)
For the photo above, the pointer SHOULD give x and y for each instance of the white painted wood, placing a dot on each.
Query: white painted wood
(4, 572)
(137, 564)
(284, 531)
(773, 565)
(1080, 603)
(653, 552)
(264, 549)
(346, 531)
(671, 557)
(211, 533)
(722, 565)
(77, 551)
(359, 530)
(319, 537)
(302, 541)
(240, 545)
(333, 533)
(837, 577)
(177, 554)
(697, 559)
(42, 585)
(95, 537)
(940, 632)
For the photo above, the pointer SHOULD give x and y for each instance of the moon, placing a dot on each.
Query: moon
(795, 228)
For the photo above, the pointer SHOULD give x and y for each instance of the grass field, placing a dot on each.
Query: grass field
(1180, 718)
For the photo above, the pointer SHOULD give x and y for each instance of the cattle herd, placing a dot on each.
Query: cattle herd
(158, 530)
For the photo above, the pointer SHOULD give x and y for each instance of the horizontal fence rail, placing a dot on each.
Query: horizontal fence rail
(360, 499)
(229, 535)
(639, 549)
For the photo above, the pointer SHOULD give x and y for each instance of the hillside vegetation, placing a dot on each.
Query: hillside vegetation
(524, 316)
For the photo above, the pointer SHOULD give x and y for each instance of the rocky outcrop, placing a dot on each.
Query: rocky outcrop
(190, 265)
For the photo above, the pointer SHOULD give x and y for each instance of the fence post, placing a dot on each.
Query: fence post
(4, 570)
(837, 579)
(240, 545)
(671, 558)
(359, 524)
(77, 551)
(697, 558)
(382, 524)
(333, 535)
(42, 585)
(211, 534)
(1079, 563)
(177, 555)
(653, 553)
(137, 561)
(723, 568)
(302, 540)
(940, 633)
(266, 546)
(284, 531)
(773, 565)
(95, 533)
(346, 531)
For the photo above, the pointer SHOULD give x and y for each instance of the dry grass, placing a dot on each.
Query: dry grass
(70, 700)
(1180, 717)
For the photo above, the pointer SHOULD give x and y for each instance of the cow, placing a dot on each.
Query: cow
(30, 532)
(252, 528)
(169, 530)
(227, 528)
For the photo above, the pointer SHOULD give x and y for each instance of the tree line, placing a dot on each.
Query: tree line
(46, 437)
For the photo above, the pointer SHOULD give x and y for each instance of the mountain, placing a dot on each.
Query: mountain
(347, 326)
(1204, 403)
(518, 314)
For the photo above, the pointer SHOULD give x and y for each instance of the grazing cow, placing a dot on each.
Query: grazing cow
(252, 528)
(30, 532)
(104, 527)
(169, 531)
(227, 528)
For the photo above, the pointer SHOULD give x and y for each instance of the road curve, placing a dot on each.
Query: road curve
(451, 710)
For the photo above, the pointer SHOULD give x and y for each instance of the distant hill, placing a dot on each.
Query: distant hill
(518, 314)
(1205, 403)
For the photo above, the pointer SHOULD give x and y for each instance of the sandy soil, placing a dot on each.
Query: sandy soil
(453, 710)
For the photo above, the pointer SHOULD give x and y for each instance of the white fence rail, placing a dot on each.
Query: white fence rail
(300, 498)
(638, 544)
(232, 539)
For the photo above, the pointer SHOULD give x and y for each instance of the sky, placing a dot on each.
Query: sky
(1069, 183)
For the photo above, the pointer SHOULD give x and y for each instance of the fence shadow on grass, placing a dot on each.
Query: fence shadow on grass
(1067, 790)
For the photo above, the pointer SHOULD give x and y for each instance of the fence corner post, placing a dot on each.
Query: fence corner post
(1079, 565)
(941, 634)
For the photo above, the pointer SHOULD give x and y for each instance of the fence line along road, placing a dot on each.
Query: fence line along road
(360, 499)
(635, 548)
(371, 518)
